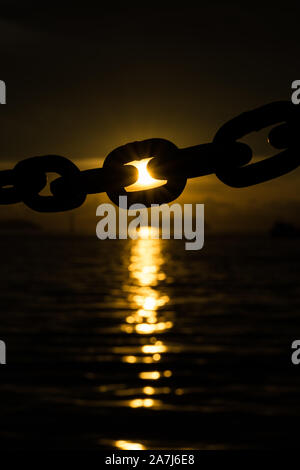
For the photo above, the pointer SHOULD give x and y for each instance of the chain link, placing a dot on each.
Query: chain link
(225, 157)
(159, 149)
(255, 120)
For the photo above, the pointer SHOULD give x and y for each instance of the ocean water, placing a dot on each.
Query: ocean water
(140, 344)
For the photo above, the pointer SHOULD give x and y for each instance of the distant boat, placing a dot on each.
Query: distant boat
(284, 230)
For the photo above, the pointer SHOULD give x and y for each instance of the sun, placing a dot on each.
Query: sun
(145, 180)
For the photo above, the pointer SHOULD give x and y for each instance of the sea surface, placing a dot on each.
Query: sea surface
(139, 344)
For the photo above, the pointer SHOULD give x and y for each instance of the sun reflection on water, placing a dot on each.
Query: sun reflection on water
(149, 317)
(127, 445)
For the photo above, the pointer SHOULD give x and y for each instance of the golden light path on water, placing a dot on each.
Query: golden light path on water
(127, 445)
(147, 319)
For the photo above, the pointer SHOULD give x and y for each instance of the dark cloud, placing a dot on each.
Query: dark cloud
(97, 71)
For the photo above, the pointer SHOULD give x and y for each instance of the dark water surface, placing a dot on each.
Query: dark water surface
(141, 344)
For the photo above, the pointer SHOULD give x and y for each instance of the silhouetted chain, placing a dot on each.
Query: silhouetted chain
(225, 157)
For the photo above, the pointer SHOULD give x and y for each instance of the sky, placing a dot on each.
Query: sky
(83, 80)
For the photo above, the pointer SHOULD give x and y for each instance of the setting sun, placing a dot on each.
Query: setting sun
(145, 180)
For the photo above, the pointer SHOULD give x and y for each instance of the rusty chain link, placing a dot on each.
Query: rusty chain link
(225, 157)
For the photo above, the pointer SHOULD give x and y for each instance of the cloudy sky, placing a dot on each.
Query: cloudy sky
(84, 80)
